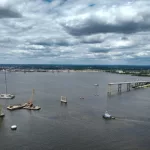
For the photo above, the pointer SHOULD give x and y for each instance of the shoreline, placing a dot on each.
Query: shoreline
(53, 71)
(131, 73)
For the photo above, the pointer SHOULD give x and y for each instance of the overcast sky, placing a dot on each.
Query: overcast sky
(75, 31)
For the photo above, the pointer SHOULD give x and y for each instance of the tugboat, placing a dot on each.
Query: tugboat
(107, 116)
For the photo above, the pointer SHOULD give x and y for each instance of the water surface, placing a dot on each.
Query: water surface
(78, 125)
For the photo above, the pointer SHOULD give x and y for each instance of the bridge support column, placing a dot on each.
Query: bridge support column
(136, 85)
(128, 86)
(119, 88)
(109, 90)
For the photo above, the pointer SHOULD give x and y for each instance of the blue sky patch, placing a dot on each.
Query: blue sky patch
(91, 5)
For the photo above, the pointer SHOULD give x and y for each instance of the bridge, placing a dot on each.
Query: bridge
(129, 85)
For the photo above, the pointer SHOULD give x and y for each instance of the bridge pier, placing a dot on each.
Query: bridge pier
(119, 88)
(109, 89)
(128, 86)
(135, 84)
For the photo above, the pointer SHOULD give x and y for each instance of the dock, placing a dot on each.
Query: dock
(129, 85)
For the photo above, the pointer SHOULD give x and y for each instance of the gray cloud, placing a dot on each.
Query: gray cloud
(8, 13)
(99, 50)
(92, 39)
(91, 26)
(124, 18)
(68, 31)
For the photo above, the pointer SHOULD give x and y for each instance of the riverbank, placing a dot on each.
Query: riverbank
(53, 71)
(143, 73)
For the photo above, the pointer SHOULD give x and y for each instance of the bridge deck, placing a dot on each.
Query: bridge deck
(115, 83)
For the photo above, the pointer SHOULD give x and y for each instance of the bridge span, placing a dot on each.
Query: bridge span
(129, 85)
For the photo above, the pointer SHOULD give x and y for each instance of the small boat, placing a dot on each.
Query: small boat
(63, 99)
(6, 95)
(13, 127)
(81, 97)
(1, 113)
(107, 116)
(14, 107)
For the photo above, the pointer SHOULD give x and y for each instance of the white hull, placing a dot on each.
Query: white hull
(108, 116)
(2, 115)
(32, 108)
(7, 96)
(13, 127)
(63, 99)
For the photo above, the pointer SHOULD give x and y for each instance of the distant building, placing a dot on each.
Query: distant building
(119, 71)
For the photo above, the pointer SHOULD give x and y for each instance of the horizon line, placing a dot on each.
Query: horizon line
(82, 64)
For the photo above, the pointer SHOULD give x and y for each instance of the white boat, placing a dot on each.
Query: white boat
(6, 95)
(108, 116)
(1, 113)
(63, 99)
(13, 127)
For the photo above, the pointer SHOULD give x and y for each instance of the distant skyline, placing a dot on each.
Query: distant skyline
(113, 32)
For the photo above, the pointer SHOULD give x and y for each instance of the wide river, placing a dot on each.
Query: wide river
(78, 125)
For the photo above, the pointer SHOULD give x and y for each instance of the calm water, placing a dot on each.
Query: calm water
(79, 125)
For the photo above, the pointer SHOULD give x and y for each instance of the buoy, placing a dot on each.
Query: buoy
(13, 127)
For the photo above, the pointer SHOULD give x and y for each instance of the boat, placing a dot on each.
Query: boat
(14, 107)
(13, 127)
(63, 99)
(6, 95)
(81, 97)
(108, 116)
(30, 105)
(1, 113)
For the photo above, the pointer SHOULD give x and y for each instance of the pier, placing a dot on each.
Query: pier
(129, 85)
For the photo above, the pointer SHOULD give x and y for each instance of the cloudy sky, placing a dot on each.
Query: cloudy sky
(75, 31)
